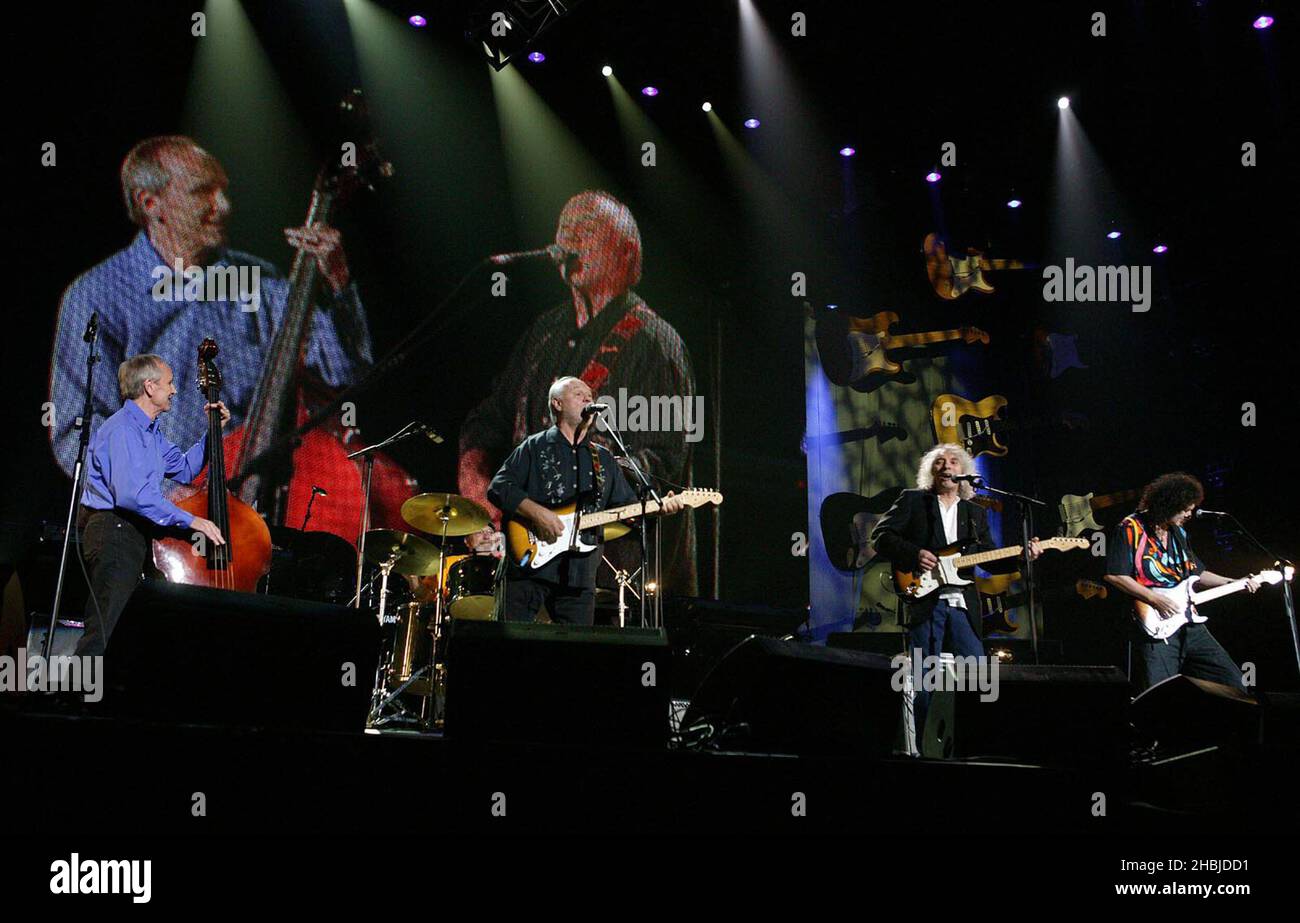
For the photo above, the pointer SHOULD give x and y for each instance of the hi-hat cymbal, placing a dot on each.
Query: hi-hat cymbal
(414, 555)
(464, 516)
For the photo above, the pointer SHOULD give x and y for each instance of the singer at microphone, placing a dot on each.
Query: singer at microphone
(1149, 553)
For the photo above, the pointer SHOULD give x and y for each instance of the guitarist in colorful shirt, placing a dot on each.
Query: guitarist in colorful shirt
(1150, 551)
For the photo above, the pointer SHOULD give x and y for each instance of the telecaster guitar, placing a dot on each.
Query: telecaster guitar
(1161, 626)
(976, 425)
(527, 550)
(916, 585)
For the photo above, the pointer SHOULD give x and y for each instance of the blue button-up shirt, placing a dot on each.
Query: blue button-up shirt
(132, 322)
(126, 462)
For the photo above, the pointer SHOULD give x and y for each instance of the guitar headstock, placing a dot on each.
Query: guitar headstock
(1060, 543)
(888, 431)
(209, 379)
(360, 163)
(1090, 589)
(699, 496)
(974, 335)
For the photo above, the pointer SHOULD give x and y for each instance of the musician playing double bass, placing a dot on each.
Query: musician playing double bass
(177, 195)
(551, 468)
(123, 505)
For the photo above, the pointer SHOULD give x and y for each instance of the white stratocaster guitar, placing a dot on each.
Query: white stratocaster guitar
(527, 550)
(1161, 626)
(923, 583)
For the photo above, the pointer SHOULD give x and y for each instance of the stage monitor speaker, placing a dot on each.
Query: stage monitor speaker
(194, 654)
(517, 681)
(702, 631)
(1183, 713)
(777, 696)
(1050, 715)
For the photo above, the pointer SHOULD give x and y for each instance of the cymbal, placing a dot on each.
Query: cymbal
(464, 516)
(414, 555)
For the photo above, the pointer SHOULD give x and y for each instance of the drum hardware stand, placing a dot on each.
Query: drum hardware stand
(91, 336)
(411, 429)
(624, 581)
(645, 490)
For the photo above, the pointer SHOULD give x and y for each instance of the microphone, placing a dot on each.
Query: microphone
(973, 478)
(554, 252)
(319, 490)
(92, 328)
(593, 408)
(1200, 514)
(429, 433)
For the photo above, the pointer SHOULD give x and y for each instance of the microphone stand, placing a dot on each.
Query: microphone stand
(91, 336)
(1288, 600)
(1026, 531)
(645, 489)
(368, 454)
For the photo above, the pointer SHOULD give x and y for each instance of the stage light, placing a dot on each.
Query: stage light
(537, 57)
(649, 91)
(933, 176)
(607, 71)
(418, 21)
(847, 152)
(1014, 203)
(831, 307)
(506, 28)
(707, 106)
(1113, 235)
(1063, 103)
(1263, 22)
(752, 123)
(1159, 248)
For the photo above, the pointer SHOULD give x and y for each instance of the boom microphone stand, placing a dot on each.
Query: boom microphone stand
(1287, 569)
(1026, 531)
(91, 336)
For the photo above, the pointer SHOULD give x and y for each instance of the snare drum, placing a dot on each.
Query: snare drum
(470, 583)
(412, 647)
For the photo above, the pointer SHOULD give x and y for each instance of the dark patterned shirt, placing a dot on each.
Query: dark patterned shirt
(547, 469)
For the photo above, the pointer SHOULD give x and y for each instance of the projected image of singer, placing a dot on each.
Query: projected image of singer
(551, 468)
(608, 334)
(175, 192)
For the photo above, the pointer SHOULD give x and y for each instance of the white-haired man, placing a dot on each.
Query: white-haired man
(123, 506)
(556, 466)
(936, 514)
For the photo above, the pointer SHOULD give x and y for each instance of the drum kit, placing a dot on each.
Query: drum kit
(416, 613)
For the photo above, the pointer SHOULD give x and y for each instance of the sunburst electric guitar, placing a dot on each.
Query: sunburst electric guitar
(918, 584)
(976, 425)
(528, 550)
(953, 276)
(870, 339)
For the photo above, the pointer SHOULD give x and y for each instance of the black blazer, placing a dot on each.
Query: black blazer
(914, 523)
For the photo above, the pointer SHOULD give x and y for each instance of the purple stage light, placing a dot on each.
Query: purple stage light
(537, 57)
(649, 91)
(752, 123)
(418, 21)
(1159, 248)
(933, 176)
(847, 152)
(1263, 22)
(1014, 203)
(1113, 235)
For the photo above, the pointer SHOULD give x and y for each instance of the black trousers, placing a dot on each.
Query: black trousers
(567, 604)
(115, 547)
(1192, 651)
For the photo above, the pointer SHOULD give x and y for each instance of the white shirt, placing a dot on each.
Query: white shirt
(949, 516)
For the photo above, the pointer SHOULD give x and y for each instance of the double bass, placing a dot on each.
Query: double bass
(274, 469)
(245, 558)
